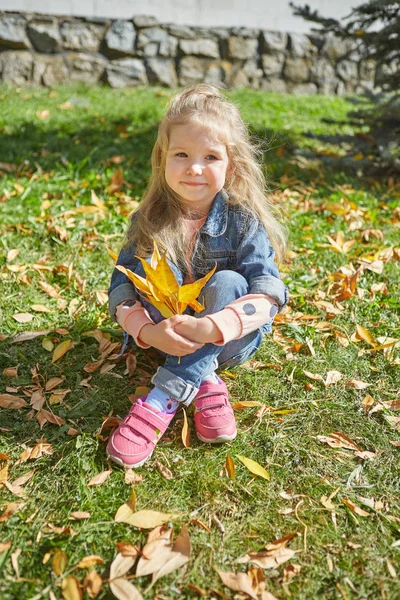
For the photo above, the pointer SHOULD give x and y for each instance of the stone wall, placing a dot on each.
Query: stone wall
(48, 50)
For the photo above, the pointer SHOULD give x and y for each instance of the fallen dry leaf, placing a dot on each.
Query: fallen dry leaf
(70, 588)
(165, 472)
(179, 556)
(127, 549)
(53, 382)
(274, 554)
(143, 519)
(357, 384)
(339, 440)
(156, 551)
(10, 510)
(93, 584)
(291, 571)
(62, 349)
(80, 514)
(254, 467)
(355, 509)
(23, 317)
(5, 546)
(90, 561)
(12, 402)
(100, 478)
(131, 477)
(125, 590)
(59, 561)
(230, 466)
(185, 431)
(238, 582)
(10, 372)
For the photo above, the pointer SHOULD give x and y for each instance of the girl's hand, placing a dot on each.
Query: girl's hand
(165, 338)
(200, 330)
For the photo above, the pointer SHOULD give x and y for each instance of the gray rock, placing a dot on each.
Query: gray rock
(240, 47)
(218, 73)
(201, 47)
(49, 70)
(335, 48)
(120, 38)
(181, 32)
(366, 70)
(168, 47)
(162, 71)
(192, 69)
(296, 70)
(44, 35)
(85, 67)
(246, 32)
(80, 35)
(303, 89)
(274, 85)
(125, 72)
(321, 70)
(16, 67)
(347, 71)
(300, 45)
(273, 41)
(144, 21)
(240, 80)
(252, 70)
(12, 31)
(151, 34)
(272, 64)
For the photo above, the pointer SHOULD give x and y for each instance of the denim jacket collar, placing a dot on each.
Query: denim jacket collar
(217, 219)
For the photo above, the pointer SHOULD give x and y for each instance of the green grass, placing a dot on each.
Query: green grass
(58, 161)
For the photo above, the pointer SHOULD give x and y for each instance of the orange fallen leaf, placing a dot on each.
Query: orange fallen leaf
(338, 439)
(71, 589)
(12, 402)
(92, 584)
(230, 466)
(59, 561)
(100, 478)
(90, 561)
(355, 509)
(185, 431)
(62, 349)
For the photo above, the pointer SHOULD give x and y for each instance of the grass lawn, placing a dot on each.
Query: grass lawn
(73, 164)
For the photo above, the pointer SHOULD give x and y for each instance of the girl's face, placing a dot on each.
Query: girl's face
(196, 166)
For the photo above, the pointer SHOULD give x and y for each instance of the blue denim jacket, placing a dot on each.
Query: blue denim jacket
(231, 238)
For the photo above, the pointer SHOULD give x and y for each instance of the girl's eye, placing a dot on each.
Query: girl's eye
(181, 154)
(211, 157)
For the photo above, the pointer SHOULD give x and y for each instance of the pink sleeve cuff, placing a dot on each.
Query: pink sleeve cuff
(132, 319)
(242, 316)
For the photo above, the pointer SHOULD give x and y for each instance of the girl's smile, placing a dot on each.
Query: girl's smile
(196, 166)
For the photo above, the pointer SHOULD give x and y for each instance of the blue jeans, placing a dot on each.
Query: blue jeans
(180, 378)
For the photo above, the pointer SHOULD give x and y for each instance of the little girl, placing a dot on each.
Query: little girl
(205, 205)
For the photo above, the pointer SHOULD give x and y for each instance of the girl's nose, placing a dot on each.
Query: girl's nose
(195, 169)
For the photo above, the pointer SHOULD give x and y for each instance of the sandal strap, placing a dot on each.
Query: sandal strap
(145, 422)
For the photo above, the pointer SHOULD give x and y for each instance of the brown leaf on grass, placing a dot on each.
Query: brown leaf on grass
(71, 589)
(185, 431)
(45, 416)
(355, 509)
(53, 382)
(143, 519)
(92, 584)
(131, 363)
(12, 402)
(367, 402)
(332, 377)
(79, 514)
(61, 349)
(291, 571)
(41, 308)
(4, 474)
(41, 448)
(238, 582)
(127, 549)
(100, 478)
(121, 565)
(4, 456)
(274, 554)
(339, 440)
(10, 372)
(357, 384)
(23, 317)
(90, 561)
(23, 479)
(165, 472)
(91, 367)
(131, 477)
(59, 561)
(124, 590)
(246, 404)
(179, 555)
(365, 335)
(156, 550)
(230, 466)
(5, 546)
(49, 289)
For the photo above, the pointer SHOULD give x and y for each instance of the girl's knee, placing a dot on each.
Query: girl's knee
(230, 280)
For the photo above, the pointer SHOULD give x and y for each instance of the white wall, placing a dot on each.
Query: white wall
(261, 14)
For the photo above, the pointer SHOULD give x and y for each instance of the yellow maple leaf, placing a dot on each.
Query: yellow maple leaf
(161, 288)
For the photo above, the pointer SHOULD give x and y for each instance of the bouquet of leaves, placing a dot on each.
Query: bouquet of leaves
(161, 288)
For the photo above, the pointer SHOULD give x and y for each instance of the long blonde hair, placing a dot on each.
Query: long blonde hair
(159, 216)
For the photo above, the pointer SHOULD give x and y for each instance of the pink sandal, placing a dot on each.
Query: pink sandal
(133, 442)
(213, 416)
